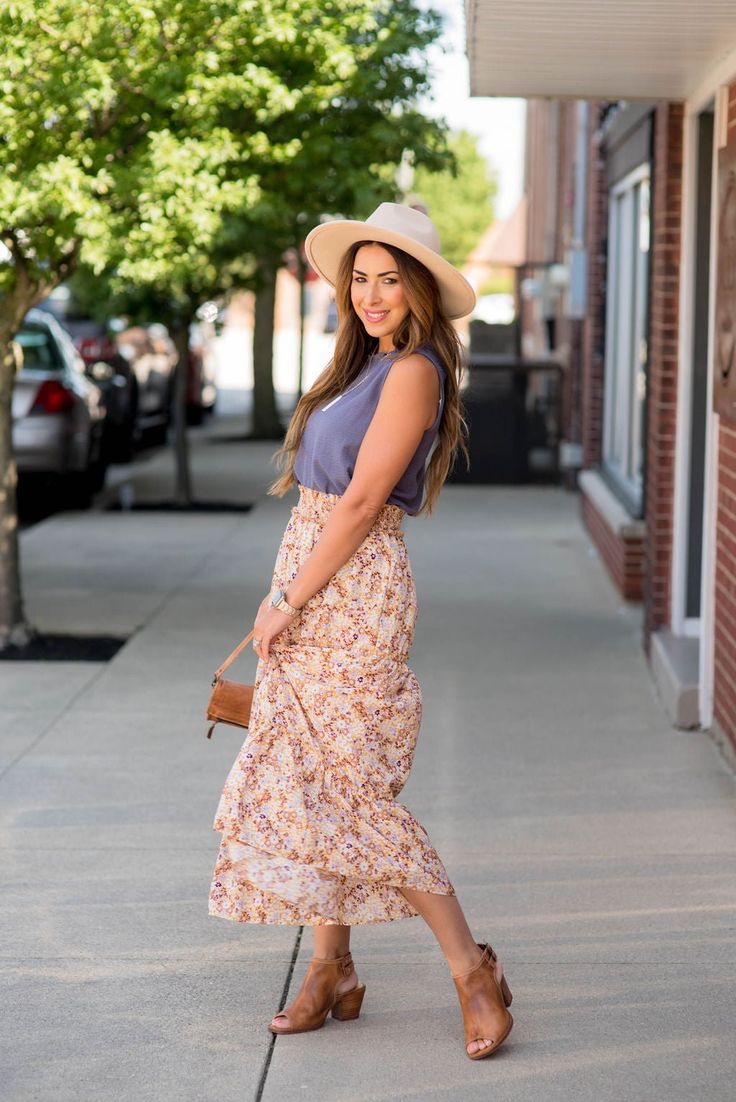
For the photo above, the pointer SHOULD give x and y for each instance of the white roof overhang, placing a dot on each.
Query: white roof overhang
(596, 49)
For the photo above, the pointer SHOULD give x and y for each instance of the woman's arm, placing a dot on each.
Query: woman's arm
(406, 409)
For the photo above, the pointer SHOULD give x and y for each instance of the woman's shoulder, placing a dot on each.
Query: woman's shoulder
(431, 353)
(427, 350)
(420, 355)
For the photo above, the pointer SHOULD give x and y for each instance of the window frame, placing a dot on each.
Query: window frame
(625, 368)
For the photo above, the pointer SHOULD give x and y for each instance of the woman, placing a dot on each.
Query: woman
(311, 832)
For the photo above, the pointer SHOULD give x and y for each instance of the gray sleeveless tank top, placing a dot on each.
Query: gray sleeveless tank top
(334, 432)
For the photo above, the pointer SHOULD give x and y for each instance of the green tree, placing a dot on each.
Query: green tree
(182, 146)
(459, 199)
(127, 133)
(352, 134)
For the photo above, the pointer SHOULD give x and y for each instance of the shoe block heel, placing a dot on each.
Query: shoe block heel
(506, 992)
(348, 1008)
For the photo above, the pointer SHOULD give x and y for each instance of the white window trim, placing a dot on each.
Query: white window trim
(623, 419)
(682, 624)
(713, 87)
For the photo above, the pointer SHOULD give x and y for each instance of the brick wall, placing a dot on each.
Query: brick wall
(724, 687)
(542, 166)
(568, 329)
(594, 325)
(621, 552)
(541, 173)
(662, 364)
(550, 185)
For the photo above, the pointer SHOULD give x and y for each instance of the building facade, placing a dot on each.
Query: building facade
(631, 193)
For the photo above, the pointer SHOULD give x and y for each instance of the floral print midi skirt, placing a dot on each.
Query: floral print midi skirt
(311, 830)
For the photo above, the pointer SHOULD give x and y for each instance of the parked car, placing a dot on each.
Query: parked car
(58, 412)
(134, 365)
(152, 357)
(496, 309)
(139, 388)
(114, 374)
(202, 371)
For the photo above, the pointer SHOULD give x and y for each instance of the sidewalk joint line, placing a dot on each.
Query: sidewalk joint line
(282, 1004)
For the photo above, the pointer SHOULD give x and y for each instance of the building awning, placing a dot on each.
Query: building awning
(596, 49)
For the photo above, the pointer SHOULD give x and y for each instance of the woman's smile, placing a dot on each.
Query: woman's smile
(377, 293)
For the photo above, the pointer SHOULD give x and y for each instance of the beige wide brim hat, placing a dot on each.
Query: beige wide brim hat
(392, 224)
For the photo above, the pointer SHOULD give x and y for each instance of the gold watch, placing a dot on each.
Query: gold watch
(279, 601)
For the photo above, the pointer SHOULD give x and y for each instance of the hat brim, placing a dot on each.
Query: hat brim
(327, 243)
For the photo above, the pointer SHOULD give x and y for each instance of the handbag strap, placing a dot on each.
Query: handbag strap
(233, 656)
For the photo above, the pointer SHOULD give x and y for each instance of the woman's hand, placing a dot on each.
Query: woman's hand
(269, 623)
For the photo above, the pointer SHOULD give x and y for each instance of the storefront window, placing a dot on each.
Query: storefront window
(626, 333)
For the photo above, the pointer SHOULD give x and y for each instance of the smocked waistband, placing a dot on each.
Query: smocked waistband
(316, 506)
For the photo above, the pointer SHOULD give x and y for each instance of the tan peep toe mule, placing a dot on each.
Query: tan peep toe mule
(318, 996)
(483, 1001)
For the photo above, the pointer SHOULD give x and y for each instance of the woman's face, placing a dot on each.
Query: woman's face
(377, 294)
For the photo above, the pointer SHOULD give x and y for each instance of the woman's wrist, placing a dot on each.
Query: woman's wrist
(289, 598)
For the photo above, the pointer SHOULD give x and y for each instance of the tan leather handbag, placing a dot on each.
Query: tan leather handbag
(230, 701)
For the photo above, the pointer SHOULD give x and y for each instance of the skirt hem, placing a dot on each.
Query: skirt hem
(281, 919)
(307, 922)
(251, 890)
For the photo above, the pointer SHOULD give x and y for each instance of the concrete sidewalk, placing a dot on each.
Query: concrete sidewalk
(590, 842)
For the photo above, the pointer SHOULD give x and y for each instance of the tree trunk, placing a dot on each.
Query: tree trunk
(27, 292)
(266, 424)
(13, 626)
(183, 488)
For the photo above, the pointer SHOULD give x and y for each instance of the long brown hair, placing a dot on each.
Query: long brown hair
(425, 323)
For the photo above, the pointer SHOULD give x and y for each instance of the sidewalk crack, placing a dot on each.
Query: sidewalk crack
(282, 1004)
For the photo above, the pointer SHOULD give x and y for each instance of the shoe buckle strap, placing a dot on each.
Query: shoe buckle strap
(488, 954)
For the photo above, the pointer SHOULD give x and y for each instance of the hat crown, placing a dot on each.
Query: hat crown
(397, 218)
(391, 224)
